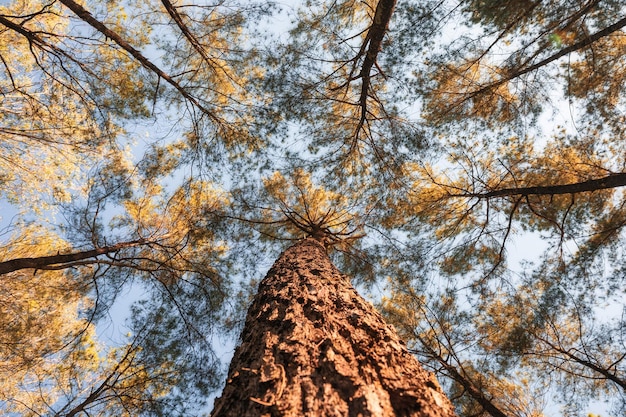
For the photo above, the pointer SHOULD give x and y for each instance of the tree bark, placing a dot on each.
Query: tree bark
(373, 42)
(311, 346)
(611, 181)
(59, 261)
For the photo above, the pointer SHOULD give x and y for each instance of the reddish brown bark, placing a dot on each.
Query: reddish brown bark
(311, 346)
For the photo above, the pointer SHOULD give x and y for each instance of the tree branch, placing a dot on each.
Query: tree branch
(59, 261)
(587, 363)
(610, 181)
(87, 17)
(572, 48)
(178, 19)
(470, 387)
(373, 42)
(115, 374)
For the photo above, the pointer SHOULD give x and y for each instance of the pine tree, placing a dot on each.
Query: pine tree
(312, 346)
(410, 136)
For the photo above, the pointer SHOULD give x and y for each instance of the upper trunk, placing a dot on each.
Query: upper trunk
(311, 346)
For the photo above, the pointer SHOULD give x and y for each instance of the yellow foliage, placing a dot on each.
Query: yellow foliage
(602, 76)
(47, 132)
(173, 217)
(178, 227)
(515, 396)
(60, 102)
(453, 198)
(456, 87)
(310, 209)
(49, 351)
(43, 338)
(432, 199)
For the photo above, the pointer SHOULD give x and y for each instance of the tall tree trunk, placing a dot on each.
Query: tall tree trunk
(312, 346)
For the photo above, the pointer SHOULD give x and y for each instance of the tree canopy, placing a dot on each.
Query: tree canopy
(463, 160)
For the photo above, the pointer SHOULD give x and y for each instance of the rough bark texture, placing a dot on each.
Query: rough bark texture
(312, 346)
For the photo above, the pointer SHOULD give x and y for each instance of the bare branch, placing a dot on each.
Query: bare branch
(178, 19)
(571, 354)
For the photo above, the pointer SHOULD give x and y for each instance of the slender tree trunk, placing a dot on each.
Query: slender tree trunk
(311, 346)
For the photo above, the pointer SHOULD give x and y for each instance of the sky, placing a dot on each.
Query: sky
(521, 247)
